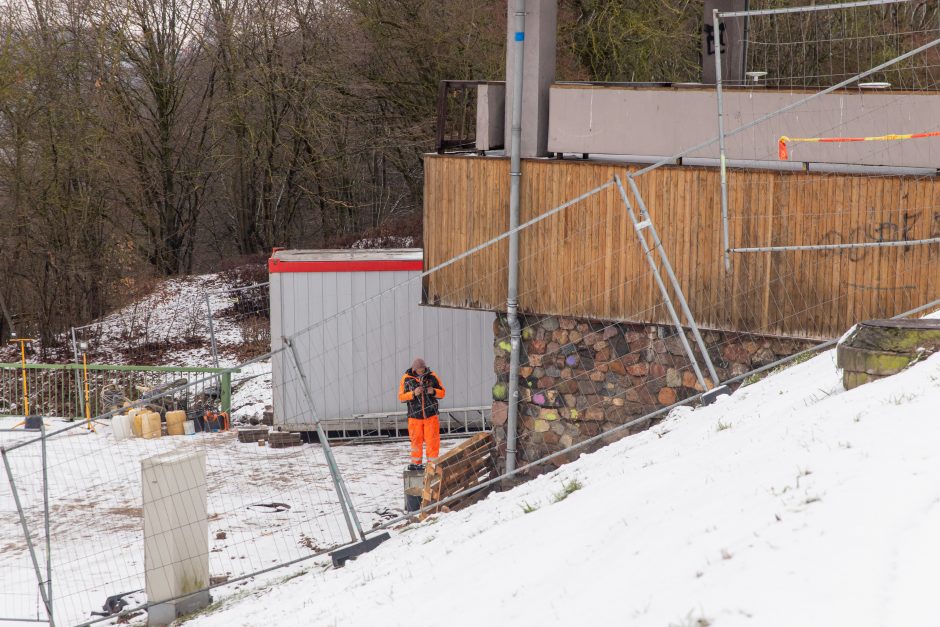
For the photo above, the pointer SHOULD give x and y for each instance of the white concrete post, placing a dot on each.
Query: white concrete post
(176, 535)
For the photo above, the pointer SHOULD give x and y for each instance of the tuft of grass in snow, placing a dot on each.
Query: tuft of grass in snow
(721, 426)
(752, 379)
(528, 508)
(692, 620)
(900, 399)
(567, 489)
(758, 376)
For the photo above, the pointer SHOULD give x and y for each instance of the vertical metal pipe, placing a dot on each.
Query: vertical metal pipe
(80, 400)
(747, 33)
(29, 539)
(45, 507)
(645, 214)
(721, 142)
(512, 294)
(25, 386)
(345, 502)
(215, 349)
(225, 392)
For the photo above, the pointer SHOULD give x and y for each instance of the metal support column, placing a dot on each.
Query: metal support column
(29, 540)
(80, 400)
(721, 144)
(349, 512)
(45, 510)
(512, 291)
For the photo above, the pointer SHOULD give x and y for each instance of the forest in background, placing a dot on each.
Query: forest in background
(141, 139)
(149, 138)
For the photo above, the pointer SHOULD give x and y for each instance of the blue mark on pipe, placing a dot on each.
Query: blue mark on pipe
(520, 36)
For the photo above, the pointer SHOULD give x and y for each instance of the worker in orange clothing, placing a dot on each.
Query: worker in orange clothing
(421, 389)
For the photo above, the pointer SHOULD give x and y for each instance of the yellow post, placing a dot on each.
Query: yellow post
(91, 427)
(22, 342)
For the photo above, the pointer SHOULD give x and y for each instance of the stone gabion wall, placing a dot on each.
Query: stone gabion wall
(580, 378)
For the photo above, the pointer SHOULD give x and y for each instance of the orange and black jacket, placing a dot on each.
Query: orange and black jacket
(422, 405)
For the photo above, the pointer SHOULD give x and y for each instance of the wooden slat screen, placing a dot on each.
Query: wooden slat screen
(586, 262)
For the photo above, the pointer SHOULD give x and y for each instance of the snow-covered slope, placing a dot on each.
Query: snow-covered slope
(169, 326)
(793, 502)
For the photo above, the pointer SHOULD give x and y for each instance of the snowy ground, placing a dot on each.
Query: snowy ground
(97, 521)
(792, 502)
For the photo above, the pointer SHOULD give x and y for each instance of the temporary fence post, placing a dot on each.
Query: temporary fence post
(29, 540)
(45, 508)
(215, 350)
(349, 512)
(80, 399)
(226, 392)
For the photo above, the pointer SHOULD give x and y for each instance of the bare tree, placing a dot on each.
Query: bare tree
(160, 89)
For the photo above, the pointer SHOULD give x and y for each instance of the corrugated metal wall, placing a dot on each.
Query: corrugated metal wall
(359, 344)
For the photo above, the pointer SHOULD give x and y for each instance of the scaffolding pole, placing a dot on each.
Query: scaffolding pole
(891, 244)
(722, 165)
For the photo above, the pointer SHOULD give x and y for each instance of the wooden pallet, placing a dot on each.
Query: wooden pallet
(468, 464)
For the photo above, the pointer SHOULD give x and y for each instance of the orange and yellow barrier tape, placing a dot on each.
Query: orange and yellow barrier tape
(784, 140)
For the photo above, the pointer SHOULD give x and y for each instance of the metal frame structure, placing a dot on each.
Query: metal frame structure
(45, 585)
(720, 138)
(221, 375)
(465, 140)
(345, 502)
(212, 341)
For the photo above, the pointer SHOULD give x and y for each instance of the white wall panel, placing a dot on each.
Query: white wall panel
(365, 327)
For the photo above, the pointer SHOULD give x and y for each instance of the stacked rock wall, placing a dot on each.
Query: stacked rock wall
(580, 378)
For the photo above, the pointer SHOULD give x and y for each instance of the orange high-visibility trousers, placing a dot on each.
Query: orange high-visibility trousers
(425, 432)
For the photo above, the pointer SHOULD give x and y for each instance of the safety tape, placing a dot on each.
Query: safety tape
(784, 140)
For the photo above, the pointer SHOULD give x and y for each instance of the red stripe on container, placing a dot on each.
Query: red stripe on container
(377, 265)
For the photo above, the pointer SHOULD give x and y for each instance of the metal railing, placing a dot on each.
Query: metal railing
(58, 389)
(389, 426)
(457, 115)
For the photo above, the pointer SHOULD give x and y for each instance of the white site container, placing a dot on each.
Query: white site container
(176, 534)
(365, 324)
